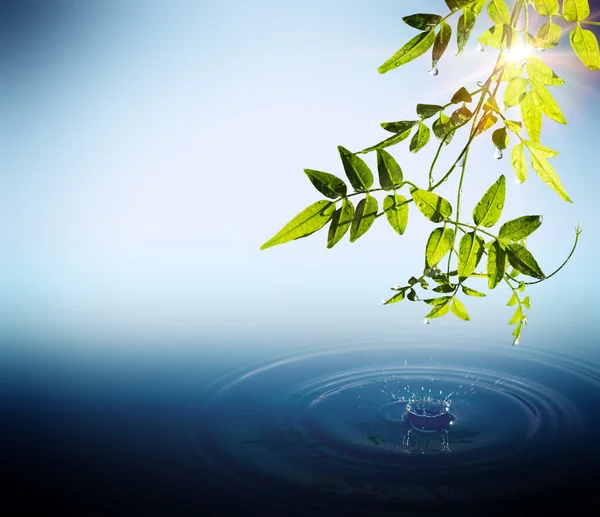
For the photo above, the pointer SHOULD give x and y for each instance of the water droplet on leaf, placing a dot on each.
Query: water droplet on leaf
(517, 341)
(480, 47)
(434, 71)
(499, 206)
(498, 154)
(461, 162)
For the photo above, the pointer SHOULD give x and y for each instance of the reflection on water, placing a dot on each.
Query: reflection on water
(374, 429)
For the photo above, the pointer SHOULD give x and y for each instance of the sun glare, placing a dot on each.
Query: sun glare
(518, 53)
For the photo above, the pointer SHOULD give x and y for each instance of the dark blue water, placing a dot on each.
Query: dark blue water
(318, 431)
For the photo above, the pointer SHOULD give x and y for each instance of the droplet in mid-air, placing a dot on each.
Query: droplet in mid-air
(427, 321)
(480, 47)
(434, 71)
(498, 154)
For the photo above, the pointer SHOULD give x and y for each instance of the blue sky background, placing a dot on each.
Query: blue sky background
(149, 148)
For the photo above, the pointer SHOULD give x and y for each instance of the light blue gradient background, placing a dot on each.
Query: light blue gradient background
(149, 148)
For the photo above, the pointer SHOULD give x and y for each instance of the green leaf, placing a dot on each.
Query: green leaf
(470, 251)
(515, 91)
(443, 128)
(396, 211)
(388, 142)
(441, 43)
(486, 122)
(357, 170)
(460, 116)
(439, 243)
(585, 45)
(532, 117)
(496, 264)
(390, 173)
(519, 162)
(488, 210)
(420, 138)
(517, 316)
(576, 10)
(399, 127)
(499, 36)
(308, 221)
(500, 138)
(327, 184)
(550, 33)
(546, 7)
(464, 27)
(459, 310)
(520, 258)
(546, 103)
(546, 172)
(364, 217)
(416, 47)
(432, 206)
(398, 297)
(412, 296)
(527, 302)
(512, 300)
(428, 110)
(444, 288)
(540, 72)
(422, 21)
(461, 95)
(471, 292)
(455, 5)
(440, 309)
(499, 12)
(519, 228)
(511, 70)
(340, 222)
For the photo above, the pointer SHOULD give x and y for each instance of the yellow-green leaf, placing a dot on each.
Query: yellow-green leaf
(550, 33)
(470, 251)
(390, 173)
(546, 7)
(340, 223)
(546, 103)
(398, 297)
(459, 310)
(440, 309)
(432, 206)
(364, 217)
(496, 264)
(441, 43)
(499, 36)
(464, 27)
(498, 11)
(515, 90)
(546, 172)
(357, 171)
(522, 260)
(311, 219)
(462, 95)
(517, 316)
(520, 228)
(576, 10)
(439, 243)
(519, 162)
(420, 138)
(514, 125)
(532, 117)
(327, 184)
(488, 210)
(585, 45)
(396, 212)
(416, 47)
(500, 138)
(540, 72)
(472, 292)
